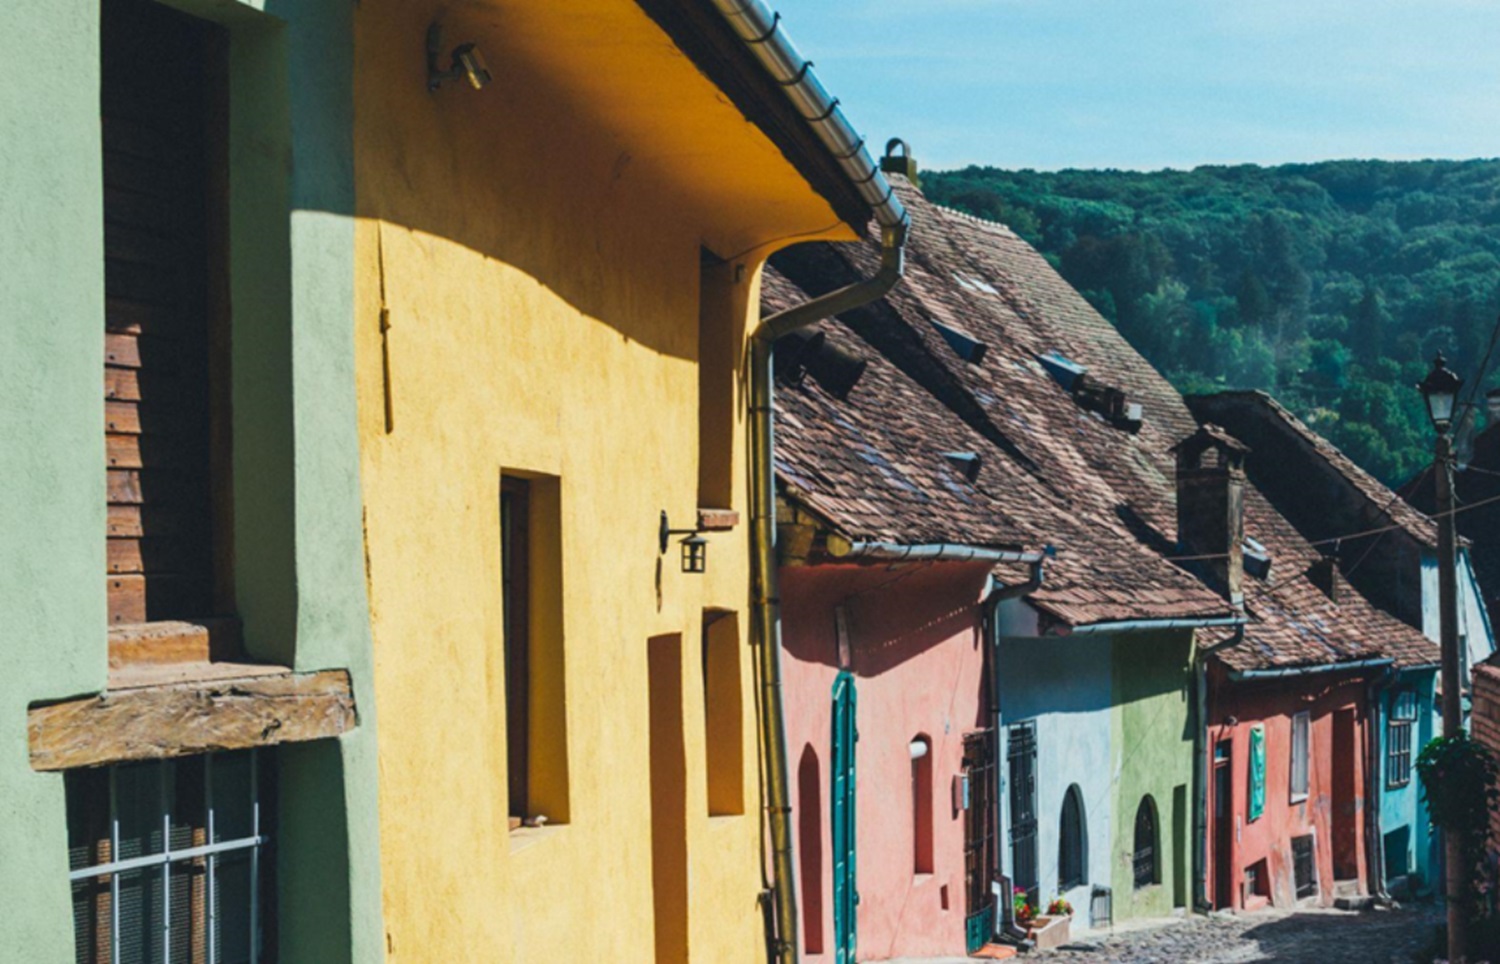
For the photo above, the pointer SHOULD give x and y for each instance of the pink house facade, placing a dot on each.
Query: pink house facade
(914, 889)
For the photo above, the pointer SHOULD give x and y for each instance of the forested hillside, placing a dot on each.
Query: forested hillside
(1331, 285)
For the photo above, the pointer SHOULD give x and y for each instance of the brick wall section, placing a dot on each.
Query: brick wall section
(1484, 722)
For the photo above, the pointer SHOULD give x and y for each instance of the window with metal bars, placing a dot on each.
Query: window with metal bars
(1304, 866)
(1144, 861)
(1071, 858)
(1398, 738)
(169, 861)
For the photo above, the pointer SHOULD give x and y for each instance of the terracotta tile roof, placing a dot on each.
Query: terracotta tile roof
(1359, 483)
(1053, 471)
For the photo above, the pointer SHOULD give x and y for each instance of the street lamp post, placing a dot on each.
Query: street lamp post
(1440, 391)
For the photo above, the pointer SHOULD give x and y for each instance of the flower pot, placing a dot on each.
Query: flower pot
(1049, 932)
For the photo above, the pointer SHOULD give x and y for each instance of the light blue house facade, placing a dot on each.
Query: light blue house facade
(1410, 716)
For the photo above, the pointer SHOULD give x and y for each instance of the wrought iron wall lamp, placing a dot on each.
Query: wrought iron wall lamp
(694, 547)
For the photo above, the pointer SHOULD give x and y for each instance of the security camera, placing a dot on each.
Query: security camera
(466, 62)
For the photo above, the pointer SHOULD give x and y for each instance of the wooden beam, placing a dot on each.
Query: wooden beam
(183, 719)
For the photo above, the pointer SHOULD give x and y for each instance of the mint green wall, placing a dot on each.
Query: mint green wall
(52, 591)
(298, 539)
(1152, 739)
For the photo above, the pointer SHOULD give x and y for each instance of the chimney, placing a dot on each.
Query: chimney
(1211, 507)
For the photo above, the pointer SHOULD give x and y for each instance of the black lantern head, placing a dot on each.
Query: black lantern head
(1440, 391)
(694, 554)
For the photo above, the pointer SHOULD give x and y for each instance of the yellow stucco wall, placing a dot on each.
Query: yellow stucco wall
(537, 255)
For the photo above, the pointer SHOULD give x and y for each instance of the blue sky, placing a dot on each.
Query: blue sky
(1161, 83)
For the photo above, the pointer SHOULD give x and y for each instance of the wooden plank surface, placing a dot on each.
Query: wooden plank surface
(122, 451)
(125, 521)
(122, 417)
(127, 599)
(122, 384)
(122, 350)
(159, 722)
(124, 556)
(123, 486)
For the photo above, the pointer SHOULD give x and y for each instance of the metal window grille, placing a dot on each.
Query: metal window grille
(1300, 734)
(1398, 738)
(1398, 753)
(1304, 866)
(1101, 907)
(1021, 757)
(165, 861)
(1144, 862)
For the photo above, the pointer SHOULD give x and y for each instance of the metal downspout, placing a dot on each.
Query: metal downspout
(1374, 838)
(1003, 922)
(766, 601)
(1203, 746)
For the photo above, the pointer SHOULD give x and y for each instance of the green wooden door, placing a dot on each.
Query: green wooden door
(842, 776)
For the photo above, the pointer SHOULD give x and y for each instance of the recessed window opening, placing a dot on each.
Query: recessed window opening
(723, 714)
(1301, 735)
(717, 364)
(163, 97)
(515, 579)
(1146, 859)
(1072, 855)
(1304, 866)
(810, 847)
(920, 750)
(531, 613)
(169, 861)
(1398, 738)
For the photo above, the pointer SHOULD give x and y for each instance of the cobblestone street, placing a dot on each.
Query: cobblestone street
(1315, 936)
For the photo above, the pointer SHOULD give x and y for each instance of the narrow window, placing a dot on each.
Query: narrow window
(1301, 724)
(515, 580)
(1398, 738)
(1304, 866)
(531, 612)
(810, 846)
(1146, 858)
(1072, 868)
(723, 714)
(718, 336)
(921, 804)
(169, 860)
(163, 80)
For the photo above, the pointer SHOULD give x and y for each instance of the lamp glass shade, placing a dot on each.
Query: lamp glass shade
(694, 554)
(1440, 390)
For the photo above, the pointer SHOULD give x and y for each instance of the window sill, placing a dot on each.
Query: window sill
(183, 709)
(524, 838)
(1298, 798)
(716, 820)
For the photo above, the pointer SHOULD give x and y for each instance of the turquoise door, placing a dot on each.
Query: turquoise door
(841, 798)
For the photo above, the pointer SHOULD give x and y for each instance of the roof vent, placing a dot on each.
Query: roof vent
(1065, 371)
(966, 464)
(1257, 559)
(964, 345)
(902, 163)
(1091, 394)
(835, 369)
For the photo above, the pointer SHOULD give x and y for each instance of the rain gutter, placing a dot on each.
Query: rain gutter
(760, 30)
(1282, 673)
(1137, 625)
(937, 552)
